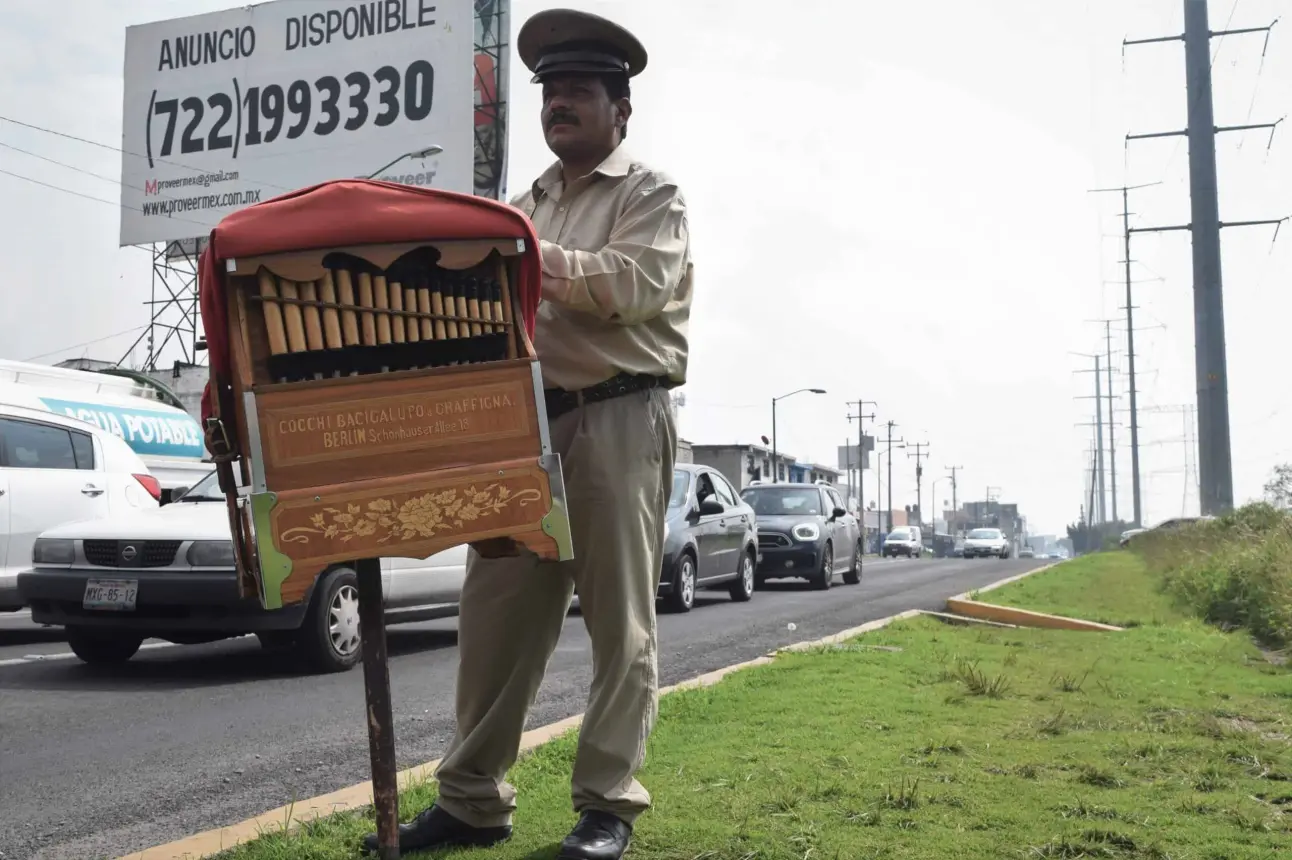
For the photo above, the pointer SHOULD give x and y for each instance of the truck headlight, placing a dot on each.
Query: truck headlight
(806, 532)
(211, 553)
(53, 551)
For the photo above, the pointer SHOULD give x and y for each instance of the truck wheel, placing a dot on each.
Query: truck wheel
(102, 648)
(329, 639)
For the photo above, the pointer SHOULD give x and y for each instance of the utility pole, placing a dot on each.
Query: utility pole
(955, 502)
(1093, 478)
(1099, 439)
(920, 448)
(860, 417)
(891, 425)
(1130, 350)
(1215, 465)
(1112, 425)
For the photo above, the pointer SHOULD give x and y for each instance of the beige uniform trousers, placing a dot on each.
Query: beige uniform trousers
(617, 457)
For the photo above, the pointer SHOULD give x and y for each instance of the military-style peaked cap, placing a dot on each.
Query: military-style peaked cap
(565, 41)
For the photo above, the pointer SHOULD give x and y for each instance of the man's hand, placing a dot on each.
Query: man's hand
(501, 547)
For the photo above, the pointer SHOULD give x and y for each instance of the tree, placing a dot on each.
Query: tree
(1278, 489)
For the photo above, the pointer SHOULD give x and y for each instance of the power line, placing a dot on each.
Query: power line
(99, 176)
(119, 150)
(86, 343)
(60, 163)
(111, 203)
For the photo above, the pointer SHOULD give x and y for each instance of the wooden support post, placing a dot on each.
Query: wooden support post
(376, 687)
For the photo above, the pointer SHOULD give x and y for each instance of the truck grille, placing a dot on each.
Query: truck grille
(147, 553)
(772, 540)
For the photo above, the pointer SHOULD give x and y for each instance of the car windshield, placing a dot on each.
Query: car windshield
(899, 534)
(680, 482)
(783, 502)
(205, 490)
(984, 534)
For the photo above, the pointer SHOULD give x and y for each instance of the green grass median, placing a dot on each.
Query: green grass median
(1167, 740)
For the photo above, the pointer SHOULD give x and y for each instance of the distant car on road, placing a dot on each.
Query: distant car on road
(1172, 524)
(1026, 552)
(710, 538)
(904, 541)
(1126, 536)
(168, 573)
(981, 543)
(805, 532)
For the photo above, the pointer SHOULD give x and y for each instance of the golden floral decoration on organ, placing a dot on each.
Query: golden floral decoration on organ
(426, 515)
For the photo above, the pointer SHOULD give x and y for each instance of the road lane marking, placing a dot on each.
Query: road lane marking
(28, 659)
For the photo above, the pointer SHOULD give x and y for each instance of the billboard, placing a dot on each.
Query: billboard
(226, 109)
(848, 454)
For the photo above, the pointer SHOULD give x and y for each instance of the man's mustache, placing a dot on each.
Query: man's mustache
(562, 119)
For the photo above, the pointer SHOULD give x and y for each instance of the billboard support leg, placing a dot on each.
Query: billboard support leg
(381, 728)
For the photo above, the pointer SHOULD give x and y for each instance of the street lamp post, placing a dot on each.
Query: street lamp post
(776, 470)
(433, 149)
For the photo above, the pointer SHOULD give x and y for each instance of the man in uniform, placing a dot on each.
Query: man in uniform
(611, 337)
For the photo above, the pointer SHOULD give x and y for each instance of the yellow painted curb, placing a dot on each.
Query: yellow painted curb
(1023, 617)
(210, 842)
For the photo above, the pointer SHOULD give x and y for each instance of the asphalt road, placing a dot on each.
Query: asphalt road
(100, 763)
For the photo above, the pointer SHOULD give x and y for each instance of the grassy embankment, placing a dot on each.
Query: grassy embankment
(1167, 740)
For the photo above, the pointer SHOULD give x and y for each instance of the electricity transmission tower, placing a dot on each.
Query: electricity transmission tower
(1215, 466)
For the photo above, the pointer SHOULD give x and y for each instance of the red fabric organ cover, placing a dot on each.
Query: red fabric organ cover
(352, 212)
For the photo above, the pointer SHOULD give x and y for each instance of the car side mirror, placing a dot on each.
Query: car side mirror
(711, 507)
(838, 513)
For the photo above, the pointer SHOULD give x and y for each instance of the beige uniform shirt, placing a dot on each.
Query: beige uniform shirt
(616, 274)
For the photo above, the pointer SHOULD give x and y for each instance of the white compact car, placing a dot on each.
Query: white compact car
(55, 469)
(903, 540)
(980, 543)
(169, 574)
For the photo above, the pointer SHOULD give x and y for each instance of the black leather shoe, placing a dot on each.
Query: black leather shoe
(598, 836)
(435, 828)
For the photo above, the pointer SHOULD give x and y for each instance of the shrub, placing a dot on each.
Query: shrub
(1234, 571)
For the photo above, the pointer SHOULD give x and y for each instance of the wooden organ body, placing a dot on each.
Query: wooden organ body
(377, 397)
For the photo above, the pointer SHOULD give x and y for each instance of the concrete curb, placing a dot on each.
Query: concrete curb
(1004, 582)
(357, 796)
(1025, 617)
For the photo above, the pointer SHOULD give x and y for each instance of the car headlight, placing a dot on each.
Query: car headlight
(211, 553)
(806, 531)
(53, 551)
(667, 532)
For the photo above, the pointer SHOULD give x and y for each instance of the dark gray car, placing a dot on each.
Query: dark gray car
(805, 532)
(710, 539)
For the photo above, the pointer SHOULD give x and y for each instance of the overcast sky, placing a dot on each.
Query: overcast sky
(889, 201)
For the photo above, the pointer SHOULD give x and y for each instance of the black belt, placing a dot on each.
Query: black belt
(560, 401)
